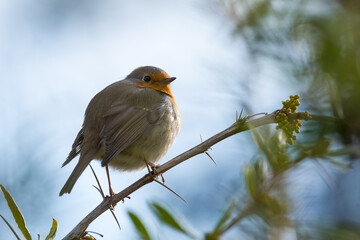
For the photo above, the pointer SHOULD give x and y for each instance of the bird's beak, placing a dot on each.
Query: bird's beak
(168, 80)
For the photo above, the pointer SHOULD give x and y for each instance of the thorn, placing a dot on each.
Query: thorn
(238, 116)
(169, 189)
(97, 180)
(117, 222)
(102, 194)
(210, 157)
(123, 200)
(207, 152)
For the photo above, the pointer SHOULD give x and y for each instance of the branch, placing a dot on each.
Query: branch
(241, 125)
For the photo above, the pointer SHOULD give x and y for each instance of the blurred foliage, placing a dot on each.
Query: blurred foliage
(265, 210)
(316, 45)
(166, 217)
(19, 219)
(53, 231)
(140, 227)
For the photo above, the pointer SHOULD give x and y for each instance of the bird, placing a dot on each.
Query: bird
(129, 124)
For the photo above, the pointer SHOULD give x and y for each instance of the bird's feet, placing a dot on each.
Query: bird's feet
(153, 171)
(111, 192)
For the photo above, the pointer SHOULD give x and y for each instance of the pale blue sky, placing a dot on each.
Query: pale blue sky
(56, 55)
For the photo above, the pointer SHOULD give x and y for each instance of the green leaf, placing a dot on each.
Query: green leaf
(89, 238)
(211, 236)
(140, 227)
(251, 180)
(225, 216)
(53, 231)
(19, 219)
(167, 218)
(11, 228)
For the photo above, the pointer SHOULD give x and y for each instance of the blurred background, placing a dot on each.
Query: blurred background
(227, 55)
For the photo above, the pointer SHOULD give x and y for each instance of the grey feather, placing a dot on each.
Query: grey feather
(123, 128)
(78, 170)
(76, 147)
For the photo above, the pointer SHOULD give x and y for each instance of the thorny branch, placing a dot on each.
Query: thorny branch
(240, 125)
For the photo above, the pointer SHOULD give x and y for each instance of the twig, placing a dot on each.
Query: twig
(240, 125)
(7, 223)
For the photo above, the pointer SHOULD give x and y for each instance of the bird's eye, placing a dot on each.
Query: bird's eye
(147, 78)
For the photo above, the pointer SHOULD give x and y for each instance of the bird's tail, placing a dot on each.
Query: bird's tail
(78, 170)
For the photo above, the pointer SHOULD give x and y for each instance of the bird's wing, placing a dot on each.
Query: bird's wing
(76, 147)
(124, 124)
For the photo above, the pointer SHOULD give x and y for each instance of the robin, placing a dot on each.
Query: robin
(127, 125)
